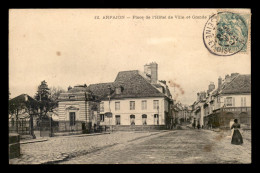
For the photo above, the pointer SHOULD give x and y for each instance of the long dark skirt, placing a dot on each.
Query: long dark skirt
(237, 138)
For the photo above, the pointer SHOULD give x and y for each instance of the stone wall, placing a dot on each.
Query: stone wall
(14, 145)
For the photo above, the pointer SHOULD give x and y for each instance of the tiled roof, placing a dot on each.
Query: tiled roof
(240, 84)
(101, 89)
(134, 86)
(78, 89)
(21, 99)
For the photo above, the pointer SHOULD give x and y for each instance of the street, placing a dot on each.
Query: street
(169, 147)
(175, 147)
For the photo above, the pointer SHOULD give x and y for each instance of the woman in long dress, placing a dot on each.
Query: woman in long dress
(237, 137)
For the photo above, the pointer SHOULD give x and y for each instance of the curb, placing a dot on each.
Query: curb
(82, 135)
(33, 141)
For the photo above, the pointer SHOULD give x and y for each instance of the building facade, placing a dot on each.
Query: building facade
(137, 100)
(78, 109)
(230, 100)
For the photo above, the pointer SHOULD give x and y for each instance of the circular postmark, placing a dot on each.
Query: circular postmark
(225, 34)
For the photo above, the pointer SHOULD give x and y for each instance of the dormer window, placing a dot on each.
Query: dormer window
(119, 90)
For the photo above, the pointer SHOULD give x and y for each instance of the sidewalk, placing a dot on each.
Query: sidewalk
(56, 149)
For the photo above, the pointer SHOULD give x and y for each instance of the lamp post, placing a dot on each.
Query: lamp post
(31, 123)
(109, 96)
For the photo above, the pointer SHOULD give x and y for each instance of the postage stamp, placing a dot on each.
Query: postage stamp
(227, 33)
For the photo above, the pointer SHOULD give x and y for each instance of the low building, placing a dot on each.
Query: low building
(22, 114)
(78, 109)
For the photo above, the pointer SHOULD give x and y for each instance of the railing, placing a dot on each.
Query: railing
(21, 127)
(67, 126)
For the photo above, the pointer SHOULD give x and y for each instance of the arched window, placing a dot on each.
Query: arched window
(132, 119)
(144, 118)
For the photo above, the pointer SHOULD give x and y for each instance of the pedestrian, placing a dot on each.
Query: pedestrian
(198, 126)
(236, 137)
(194, 125)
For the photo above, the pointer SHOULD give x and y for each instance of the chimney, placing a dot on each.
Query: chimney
(219, 82)
(26, 97)
(198, 96)
(152, 71)
(211, 87)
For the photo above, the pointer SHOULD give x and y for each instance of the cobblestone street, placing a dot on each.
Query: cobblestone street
(179, 146)
(56, 149)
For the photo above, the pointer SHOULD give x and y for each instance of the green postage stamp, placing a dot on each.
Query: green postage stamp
(227, 33)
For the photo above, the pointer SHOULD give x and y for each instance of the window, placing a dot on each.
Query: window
(132, 105)
(72, 119)
(102, 107)
(117, 119)
(132, 119)
(102, 117)
(229, 101)
(144, 118)
(156, 119)
(144, 105)
(118, 90)
(243, 101)
(156, 104)
(117, 106)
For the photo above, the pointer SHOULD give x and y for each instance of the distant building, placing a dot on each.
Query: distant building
(230, 100)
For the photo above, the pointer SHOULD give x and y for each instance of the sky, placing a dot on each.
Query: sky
(70, 47)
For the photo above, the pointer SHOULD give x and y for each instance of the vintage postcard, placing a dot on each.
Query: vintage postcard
(129, 86)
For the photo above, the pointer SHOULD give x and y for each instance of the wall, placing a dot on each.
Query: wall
(237, 99)
(125, 111)
(80, 113)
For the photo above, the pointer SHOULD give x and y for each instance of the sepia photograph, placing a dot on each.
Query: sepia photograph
(129, 86)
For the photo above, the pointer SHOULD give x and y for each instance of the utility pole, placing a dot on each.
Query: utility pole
(109, 96)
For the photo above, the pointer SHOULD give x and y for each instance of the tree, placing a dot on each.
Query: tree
(47, 98)
(45, 103)
(55, 93)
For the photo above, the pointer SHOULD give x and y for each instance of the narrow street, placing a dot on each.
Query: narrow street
(173, 147)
